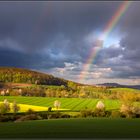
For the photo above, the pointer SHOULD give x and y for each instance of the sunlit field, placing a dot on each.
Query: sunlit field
(74, 104)
(26, 107)
(128, 90)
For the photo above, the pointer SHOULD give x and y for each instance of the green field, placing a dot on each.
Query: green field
(74, 104)
(72, 128)
(128, 90)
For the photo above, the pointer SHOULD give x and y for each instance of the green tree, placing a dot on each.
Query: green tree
(127, 108)
(72, 85)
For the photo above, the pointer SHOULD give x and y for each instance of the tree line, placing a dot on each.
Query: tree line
(17, 75)
(71, 91)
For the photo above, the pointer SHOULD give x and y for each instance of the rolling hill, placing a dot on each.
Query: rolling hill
(26, 76)
(20, 75)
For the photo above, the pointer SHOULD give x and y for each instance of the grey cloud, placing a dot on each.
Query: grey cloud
(45, 35)
(35, 61)
(33, 24)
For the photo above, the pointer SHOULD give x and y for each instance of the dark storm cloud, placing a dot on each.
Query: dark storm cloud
(33, 61)
(35, 24)
(45, 35)
(124, 60)
(129, 65)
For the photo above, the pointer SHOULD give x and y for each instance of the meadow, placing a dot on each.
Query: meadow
(128, 90)
(72, 128)
(73, 104)
(59, 125)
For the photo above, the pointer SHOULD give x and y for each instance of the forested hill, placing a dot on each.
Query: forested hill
(19, 75)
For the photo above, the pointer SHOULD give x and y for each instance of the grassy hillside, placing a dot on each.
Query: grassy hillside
(72, 128)
(18, 75)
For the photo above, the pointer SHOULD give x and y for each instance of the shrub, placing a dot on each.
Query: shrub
(14, 93)
(7, 118)
(54, 115)
(86, 112)
(99, 112)
(108, 113)
(30, 111)
(44, 115)
(49, 109)
(126, 110)
(115, 114)
(65, 116)
(129, 111)
(29, 117)
(136, 111)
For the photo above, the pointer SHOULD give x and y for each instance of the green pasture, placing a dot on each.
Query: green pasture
(128, 90)
(72, 128)
(73, 104)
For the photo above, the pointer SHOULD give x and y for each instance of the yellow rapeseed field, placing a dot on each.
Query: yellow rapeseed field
(26, 107)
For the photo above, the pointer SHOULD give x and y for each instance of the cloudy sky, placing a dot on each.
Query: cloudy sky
(58, 37)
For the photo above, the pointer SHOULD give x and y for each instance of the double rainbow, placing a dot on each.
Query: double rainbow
(98, 45)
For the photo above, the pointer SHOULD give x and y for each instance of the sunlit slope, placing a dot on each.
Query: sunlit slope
(20, 75)
(74, 104)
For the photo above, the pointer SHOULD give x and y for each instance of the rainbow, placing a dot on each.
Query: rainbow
(99, 43)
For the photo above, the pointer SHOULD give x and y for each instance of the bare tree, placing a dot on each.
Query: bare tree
(4, 107)
(3, 93)
(57, 104)
(100, 105)
(15, 107)
(7, 104)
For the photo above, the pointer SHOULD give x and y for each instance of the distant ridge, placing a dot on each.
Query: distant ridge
(110, 84)
(118, 85)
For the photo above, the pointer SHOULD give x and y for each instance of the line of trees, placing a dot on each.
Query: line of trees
(127, 110)
(70, 92)
(5, 107)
